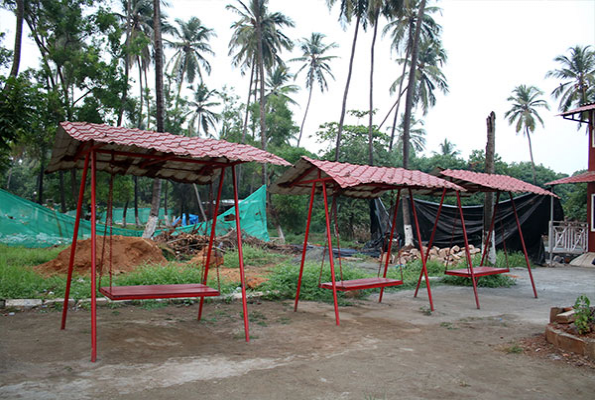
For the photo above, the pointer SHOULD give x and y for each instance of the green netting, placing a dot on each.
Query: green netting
(118, 214)
(24, 223)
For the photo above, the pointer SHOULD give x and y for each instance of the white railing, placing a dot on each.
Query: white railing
(567, 237)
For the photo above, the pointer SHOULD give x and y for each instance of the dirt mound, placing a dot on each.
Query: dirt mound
(127, 254)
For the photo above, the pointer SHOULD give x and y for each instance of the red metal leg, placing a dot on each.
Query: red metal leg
(421, 251)
(93, 257)
(469, 262)
(431, 242)
(305, 248)
(492, 224)
(211, 241)
(240, 253)
(390, 241)
(330, 246)
(77, 221)
(518, 225)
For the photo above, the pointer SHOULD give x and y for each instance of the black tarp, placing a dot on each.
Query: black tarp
(533, 211)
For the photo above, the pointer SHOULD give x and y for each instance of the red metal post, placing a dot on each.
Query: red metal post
(469, 262)
(591, 185)
(93, 257)
(431, 242)
(330, 246)
(421, 251)
(492, 224)
(211, 240)
(390, 241)
(518, 225)
(79, 206)
(240, 253)
(305, 248)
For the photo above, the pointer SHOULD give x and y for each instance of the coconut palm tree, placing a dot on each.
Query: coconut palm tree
(417, 137)
(160, 116)
(577, 73)
(191, 44)
(257, 36)
(277, 84)
(448, 149)
(525, 101)
(202, 115)
(317, 67)
(402, 31)
(348, 9)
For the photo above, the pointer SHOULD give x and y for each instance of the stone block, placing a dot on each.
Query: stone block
(23, 303)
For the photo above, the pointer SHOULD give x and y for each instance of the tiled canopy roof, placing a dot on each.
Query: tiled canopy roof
(482, 182)
(148, 153)
(585, 177)
(360, 181)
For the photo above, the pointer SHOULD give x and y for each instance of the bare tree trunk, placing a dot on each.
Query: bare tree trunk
(203, 216)
(18, 37)
(488, 205)
(344, 105)
(62, 192)
(154, 215)
(407, 122)
(125, 212)
(126, 65)
(263, 133)
(245, 126)
(136, 217)
(305, 115)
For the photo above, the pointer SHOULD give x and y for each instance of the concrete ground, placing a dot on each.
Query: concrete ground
(394, 349)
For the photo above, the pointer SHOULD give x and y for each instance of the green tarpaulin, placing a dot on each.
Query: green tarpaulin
(24, 223)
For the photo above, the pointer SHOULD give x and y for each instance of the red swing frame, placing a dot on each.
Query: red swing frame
(363, 182)
(482, 182)
(138, 150)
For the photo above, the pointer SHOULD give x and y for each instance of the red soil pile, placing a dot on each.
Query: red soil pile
(127, 254)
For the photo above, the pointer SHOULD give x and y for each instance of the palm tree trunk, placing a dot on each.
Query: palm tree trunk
(126, 65)
(305, 115)
(344, 105)
(531, 155)
(148, 100)
(62, 192)
(398, 104)
(140, 82)
(245, 126)
(154, 215)
(488, 205)
(263, 134)
(199, 201)
(371, 115)
(407, 228)
(18, 37)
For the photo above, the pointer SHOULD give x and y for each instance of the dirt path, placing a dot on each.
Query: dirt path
(380, 351)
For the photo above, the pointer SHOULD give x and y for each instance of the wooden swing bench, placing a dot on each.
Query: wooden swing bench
(361, 284)
(477, 271)
(147, 292)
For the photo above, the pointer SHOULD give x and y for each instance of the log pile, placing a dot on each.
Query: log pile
(450, 255)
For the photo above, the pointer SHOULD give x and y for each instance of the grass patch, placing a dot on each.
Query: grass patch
(490, 281)
(254, 256)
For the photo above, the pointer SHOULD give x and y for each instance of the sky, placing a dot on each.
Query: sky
(492, 46)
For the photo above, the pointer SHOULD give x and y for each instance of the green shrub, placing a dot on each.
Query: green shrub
(490, 281)
(584, 316)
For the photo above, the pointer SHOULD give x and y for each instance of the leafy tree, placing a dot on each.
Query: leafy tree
(317, 67)
(448, 148)
(524, 112)
(577, 76)
(417, 135)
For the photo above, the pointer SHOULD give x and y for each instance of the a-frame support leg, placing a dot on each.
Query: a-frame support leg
(211, 241)
(469, 262)
(518, 225)
(240, 252)
(93, 257)
(330, 246)
(305, 248)
(77, 221)
(421, 251)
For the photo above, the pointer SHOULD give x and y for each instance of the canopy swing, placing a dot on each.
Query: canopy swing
(475, 182)
(357, 181)
(124, 151)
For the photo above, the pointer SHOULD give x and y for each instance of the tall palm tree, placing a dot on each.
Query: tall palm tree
(317, 64)
(258, 36)
(201, 110)
(525, 101)
(160, 113)
(191, 44)
(18, 37)
(577, 73)
(402, 31)
(359, 9)
(448, 148)
(417, 136)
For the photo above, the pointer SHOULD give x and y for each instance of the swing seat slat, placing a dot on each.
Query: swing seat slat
(359, 284)
(146, 292)
(477, 271)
